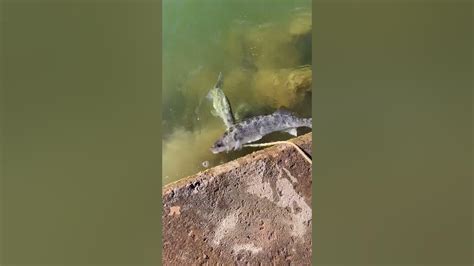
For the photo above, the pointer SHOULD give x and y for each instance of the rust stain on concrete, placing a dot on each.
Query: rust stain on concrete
(254, 210)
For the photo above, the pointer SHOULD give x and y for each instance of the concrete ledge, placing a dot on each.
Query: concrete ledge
(256, 209)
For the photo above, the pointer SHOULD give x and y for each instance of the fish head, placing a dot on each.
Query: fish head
(219, 146)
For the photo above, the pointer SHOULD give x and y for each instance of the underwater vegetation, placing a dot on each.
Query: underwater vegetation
(266, 66)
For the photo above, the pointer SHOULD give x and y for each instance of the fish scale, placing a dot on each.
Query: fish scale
(255, 128)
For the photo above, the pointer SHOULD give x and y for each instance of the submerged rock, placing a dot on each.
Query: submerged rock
(301, 24)
(265, 56)
(284, 87)
(300, 79)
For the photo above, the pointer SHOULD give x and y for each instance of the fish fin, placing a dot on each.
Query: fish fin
(237, 145)
(219, 81)
(256, 138)
(292, 131)
(231, 113)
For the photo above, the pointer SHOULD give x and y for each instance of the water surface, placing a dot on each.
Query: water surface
(251, 43)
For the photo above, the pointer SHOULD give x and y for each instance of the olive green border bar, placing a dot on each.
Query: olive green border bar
(92, 71)
(392, 112)
(2, 119)
(159, 183)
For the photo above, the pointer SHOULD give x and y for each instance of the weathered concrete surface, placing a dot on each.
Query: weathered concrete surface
(251, 211)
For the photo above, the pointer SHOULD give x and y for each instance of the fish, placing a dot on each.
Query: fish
(220, 103)
(255, 128)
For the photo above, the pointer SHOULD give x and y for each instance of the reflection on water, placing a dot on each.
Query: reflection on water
(265, 58)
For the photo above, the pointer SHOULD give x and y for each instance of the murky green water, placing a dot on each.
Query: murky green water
(256, 44)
